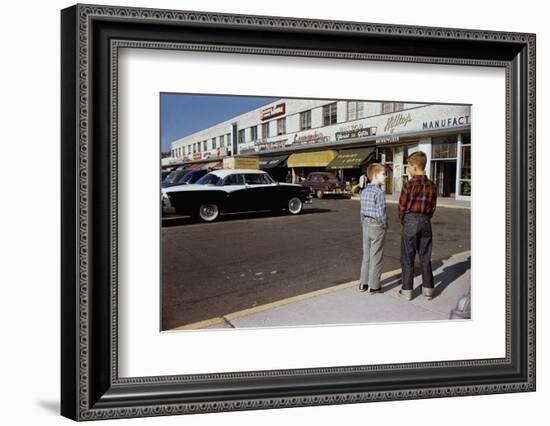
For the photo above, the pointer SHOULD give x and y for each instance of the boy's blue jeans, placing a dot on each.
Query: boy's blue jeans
(416, 237)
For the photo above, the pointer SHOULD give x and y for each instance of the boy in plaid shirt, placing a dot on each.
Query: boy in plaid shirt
(374, 222)
(416, 208)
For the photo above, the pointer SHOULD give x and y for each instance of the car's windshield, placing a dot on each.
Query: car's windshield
(174, 176)
(190, 177)
(208, 179)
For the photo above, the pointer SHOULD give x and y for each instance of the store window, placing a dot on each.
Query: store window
(241, 136)
(265, 130)
(329, 114)
(465, 181)
(254, 133)
(305, 120)
(281, 126)
(444, 147)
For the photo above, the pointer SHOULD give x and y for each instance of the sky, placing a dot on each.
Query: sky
(183, 114)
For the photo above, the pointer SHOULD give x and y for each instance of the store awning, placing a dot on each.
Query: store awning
(311, 159)
(272, 162)
(211, 165)
(350, 158)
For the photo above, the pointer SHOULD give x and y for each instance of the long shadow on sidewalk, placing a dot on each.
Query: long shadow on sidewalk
(442, 279)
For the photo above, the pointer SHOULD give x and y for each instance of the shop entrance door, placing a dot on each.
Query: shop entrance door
(445, 177)
(389, 179)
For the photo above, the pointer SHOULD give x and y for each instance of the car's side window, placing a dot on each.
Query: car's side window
(254, 179)
(234, 180)
(265, 180)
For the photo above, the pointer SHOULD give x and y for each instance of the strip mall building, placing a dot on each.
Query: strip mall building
(293, 137)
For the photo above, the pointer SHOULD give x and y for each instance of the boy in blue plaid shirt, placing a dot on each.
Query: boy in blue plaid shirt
(374, 222)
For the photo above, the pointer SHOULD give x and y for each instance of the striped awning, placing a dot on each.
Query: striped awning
(311, 159)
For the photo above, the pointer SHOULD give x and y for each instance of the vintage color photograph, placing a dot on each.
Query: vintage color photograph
(281, 212)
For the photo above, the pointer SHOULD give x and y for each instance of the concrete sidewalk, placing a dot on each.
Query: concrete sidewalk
(441, 201)
(345, 304)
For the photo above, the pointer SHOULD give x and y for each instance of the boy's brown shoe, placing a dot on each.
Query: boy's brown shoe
(374, 291)
(363, 288)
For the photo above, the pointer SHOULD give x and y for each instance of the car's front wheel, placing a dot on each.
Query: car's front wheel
(208, 212)
(295, 205)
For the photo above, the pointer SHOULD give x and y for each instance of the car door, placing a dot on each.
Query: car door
(260, 191)
(237, 193)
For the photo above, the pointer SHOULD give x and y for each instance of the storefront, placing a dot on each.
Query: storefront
(276, 167)
(302, 139)
(303, 163)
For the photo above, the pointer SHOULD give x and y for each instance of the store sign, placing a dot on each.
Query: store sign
(387, 139)
(463, 120)
(360, 132)
(263, 145)
(273, 111)
(399, 120)
(197, 156)
(316, 137)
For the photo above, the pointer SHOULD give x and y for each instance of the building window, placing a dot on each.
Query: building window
(356, 110)
(188, 149)
(213, 143)
(305, 120)
(388, 107)
(465, 181)
(205, 146)
(228, 139)
(443, 148)
(265, 130)
(329, 114)
(254, 133)
(241, 136)
(222, 141)
(281, 126)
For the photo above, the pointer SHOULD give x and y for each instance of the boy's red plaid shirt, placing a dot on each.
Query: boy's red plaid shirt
(419, 195)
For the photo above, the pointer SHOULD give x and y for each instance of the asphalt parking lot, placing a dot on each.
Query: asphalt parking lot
(242, 261)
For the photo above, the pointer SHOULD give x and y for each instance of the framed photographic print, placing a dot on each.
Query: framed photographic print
(263, 212)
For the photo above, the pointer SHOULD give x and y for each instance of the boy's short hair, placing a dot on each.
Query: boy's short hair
(418, 159)
(374, 169)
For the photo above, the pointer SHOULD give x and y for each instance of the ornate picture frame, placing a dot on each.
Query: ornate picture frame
(91, 386)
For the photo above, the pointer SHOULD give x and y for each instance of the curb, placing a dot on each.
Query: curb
(227, 318)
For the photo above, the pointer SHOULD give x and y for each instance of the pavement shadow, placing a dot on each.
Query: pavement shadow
(442, 280)
(187, 220)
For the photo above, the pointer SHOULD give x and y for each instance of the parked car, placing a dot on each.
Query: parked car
(174, 176)
(184, 177)
(231, 191)
(325, 183)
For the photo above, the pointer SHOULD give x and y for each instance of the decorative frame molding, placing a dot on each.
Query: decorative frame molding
(91, 388)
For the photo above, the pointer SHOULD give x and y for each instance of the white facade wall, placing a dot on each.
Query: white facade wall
(416, 115)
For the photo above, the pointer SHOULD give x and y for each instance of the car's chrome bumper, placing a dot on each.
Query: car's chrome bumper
(334, 192)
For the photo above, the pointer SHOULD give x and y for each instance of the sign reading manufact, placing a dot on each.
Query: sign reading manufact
(462, 120)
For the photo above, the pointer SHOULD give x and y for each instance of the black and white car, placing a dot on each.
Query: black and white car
(231, 191)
